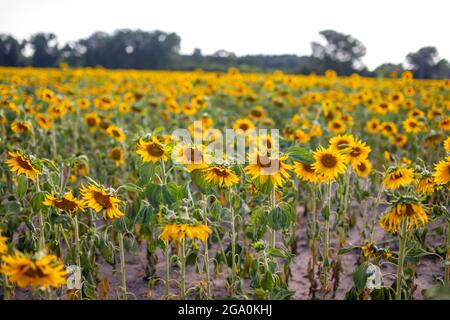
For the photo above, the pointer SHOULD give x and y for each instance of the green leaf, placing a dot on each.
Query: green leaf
(22, 186)
(36, 201)
(301, 154)
(360, 277)
(11, 207)
(200, 182)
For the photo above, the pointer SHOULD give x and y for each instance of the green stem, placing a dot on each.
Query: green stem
(205, 244)
(167, 266)
(122, 266)
(327, 244)
(6, 289)
(447, 258)
(273, 204)
(233, 249)
(183, 270)
(401, 259)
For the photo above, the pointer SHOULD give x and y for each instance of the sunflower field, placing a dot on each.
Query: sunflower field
(100, 200)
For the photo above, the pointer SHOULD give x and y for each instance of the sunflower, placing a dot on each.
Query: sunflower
(124, 108)
(116, 133)
(177, 232)
(99, 199)
(188, 109)
(397, 177)
(399, 140)
(92, 120)
(193, 156)
(411, 125)
(152, 151)
(329, 163)
(373, 126)
(414, 214)
(362, 168)
(305, 172)
(396, 97)
(301, 136)
(265, 168)
(116, 154)
(243, 126)
(336, 126)
(358, 151)
(442, 171)
(257, 113)
(425, 184)
(22, 165)
(341, 142)
(43, 121)
(447, 145)
(83, 103)
(41, 272)
(3, 245)
(67, 203)
(388, 129)
(21, 127)
(444, 124)
(221, 176)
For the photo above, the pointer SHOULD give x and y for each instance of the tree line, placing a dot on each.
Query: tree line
(157, 50)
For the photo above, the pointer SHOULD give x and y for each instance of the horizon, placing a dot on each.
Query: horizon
(231, 29)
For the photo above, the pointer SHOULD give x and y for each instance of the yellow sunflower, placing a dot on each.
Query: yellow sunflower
(3, 245)
(193, 156)
(243, 126)
(177, 232)
(388, 129)
(22, 165)
(257, 113)
(221, 176)
(447, 144)
(99, 199)
(92, 120)
(411, 125)
(67, 203)
(414, 214)
(116, 133)
(266, 168)
(21, 126)
(363, 168)
(341, 142)
(42, 272)
(358, 151)
(399, 140)
(116, 154)
(337, 126)
(398, 177)
(373, 126)
(152, 151)
(442, 171)
(43, 121)
(329, 163)
(425, 184)
(305, 172)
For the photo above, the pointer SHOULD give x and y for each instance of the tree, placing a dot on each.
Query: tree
(45, 50)
(10, 51)
(341, 52)
(426, 63)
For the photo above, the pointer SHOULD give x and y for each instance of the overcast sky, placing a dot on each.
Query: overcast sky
(389, 28)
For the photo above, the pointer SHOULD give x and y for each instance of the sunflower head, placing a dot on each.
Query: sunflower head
(271, 169)
(193, 156)
(329, 163)
(21, 164)
(411, 213)
(98, 199)
(67, 203)
(442, 171)
(397, 177)
(152, 151)
(220, 175)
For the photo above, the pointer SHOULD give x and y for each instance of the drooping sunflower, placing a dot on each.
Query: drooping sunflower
(177, 232)
(268, 168)
(21, 127)
(442, 171)
(363, 168)
(116, 133)
(67, 203)
(243, 126)
(220, 176)
(116, 154)
(329, 163)
(397, 177)
(21, 164)
(425, 184)
(152, 151)
(193, 156)
(99, 199)
(41, 272)
(414, 214)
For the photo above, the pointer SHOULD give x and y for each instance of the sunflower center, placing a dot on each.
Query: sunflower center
(308, 168)
(33, 273)
(362, 167)
(193, 155)
(90, 122)
(66, 205)
(266, 162)
(355, 152)
(103, 199)
(155, 150)
(256, 113)
(116, 154)
(342, 144)
(329, 160)
(409, 211)
(220, 172)
(396, 175)
(24, 163)
(336, 125)
(244, 127)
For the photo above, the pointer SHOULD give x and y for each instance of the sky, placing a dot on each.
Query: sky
(389, 29)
